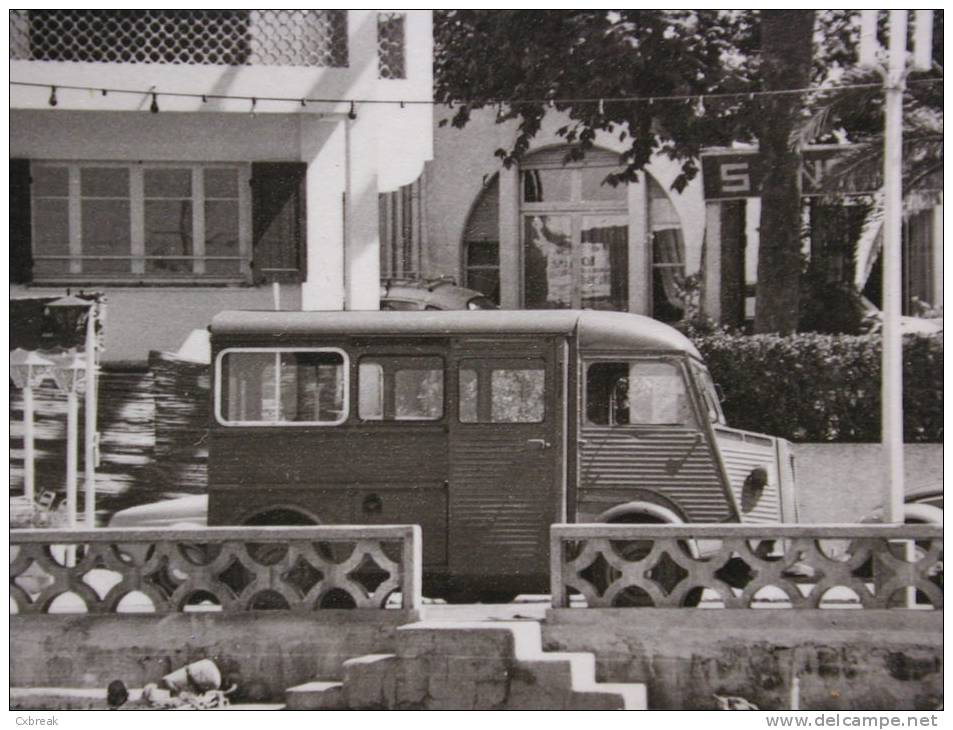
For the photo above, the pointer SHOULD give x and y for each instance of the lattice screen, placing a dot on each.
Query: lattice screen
(391, 45)
(225, 37)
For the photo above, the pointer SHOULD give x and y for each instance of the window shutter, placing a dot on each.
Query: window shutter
(21, 252)
(278, 221)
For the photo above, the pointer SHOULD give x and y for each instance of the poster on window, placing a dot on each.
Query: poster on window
(548, 262)
(596, 270)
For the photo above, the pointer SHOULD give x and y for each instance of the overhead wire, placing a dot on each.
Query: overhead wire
(496, 101)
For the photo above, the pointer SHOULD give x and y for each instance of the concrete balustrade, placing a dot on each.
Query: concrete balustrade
(792, 566)
(228, 569)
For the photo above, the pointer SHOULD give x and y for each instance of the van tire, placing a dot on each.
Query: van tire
(664, 574)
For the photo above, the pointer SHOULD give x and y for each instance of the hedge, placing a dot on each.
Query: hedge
(814, 387)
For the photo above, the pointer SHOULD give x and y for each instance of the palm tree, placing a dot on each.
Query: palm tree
(851, 112)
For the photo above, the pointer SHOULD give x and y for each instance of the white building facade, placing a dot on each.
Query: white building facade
(185, 162)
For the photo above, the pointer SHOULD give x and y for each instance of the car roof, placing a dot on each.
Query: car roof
(596, 330)
(440, 293)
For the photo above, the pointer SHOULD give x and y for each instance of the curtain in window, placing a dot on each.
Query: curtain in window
(606, 250)
(669, 266)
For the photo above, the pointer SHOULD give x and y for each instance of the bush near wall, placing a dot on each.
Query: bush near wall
(813, 387)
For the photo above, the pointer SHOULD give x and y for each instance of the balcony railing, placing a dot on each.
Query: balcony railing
(217, 37)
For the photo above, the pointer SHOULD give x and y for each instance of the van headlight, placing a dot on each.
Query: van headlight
(753, 488)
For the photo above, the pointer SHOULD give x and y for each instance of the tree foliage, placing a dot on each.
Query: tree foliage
(525, 62)
(856, 115)
(583, 63)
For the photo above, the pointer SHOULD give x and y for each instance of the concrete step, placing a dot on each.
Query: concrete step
(470, 638)
(369, 681)
(634, 694)
(316, 696)
(463, 665)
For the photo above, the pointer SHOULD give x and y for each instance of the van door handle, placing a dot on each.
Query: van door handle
(537, 444)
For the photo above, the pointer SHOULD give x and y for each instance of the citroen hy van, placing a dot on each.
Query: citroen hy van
(483, 427)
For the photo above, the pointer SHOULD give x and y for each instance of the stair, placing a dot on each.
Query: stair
(442, 665)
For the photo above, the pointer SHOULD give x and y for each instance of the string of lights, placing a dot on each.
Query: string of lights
(699, 99)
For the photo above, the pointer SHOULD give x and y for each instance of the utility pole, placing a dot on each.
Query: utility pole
(894, 71)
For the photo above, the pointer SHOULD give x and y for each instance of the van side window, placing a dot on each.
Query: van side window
(497, 392)
(646, 392)
(400, 389)
(281, 387)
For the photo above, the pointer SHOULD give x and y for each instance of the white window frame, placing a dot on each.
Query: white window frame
(345, 407)
(137, 255)
(576, 208)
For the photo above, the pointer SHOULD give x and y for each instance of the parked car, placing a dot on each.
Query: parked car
(189, 511)
(923, 505)
(434, 294)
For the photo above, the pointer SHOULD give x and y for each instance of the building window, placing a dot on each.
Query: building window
(919, 264)
(150, 222)
(214, 37)
(483, 268)
(481, 244)
(270, 387)
(668, 275)
(391, 46)
(668, 257)
(575, 237)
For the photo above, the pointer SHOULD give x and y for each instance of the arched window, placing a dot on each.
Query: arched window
(668, 257)
(481, 243)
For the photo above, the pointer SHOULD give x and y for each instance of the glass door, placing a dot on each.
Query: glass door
(576, 261)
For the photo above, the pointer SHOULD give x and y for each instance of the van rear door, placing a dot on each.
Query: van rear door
(506, 454)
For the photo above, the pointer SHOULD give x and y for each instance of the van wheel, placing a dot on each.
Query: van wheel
(666, 573)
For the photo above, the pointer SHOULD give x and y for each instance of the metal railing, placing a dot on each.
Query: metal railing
(219, 37)
(229, 569)
(747, 566)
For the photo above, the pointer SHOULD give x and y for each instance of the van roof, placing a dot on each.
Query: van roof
(596, 330)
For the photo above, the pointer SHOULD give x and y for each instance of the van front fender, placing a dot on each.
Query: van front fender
(656, 513)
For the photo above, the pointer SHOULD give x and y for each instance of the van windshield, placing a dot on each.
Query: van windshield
(642, 392)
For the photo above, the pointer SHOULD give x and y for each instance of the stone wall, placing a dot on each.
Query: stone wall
(843, 482)
(263, 653)
(843, 660)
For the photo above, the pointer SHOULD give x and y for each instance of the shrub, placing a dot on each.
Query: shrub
(815, 387)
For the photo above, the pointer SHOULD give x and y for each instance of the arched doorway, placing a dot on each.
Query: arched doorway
(576, 243)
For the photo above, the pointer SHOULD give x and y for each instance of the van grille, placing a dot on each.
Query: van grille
(677, 464)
